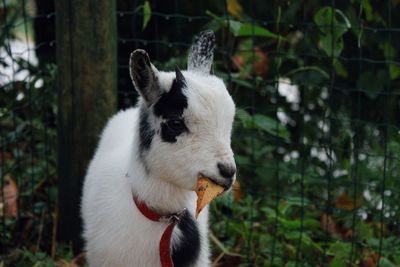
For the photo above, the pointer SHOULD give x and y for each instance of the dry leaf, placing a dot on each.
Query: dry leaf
(261, 62)
(257, 58)
(9, 205)
(206, 191)
(234, 8)
(328, 224)
(344, 202)
(237, 193)
(368, 262)
(6, 156)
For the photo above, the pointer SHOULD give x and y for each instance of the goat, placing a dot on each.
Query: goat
(153, 154)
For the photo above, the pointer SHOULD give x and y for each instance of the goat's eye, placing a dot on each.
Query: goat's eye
(176, 125)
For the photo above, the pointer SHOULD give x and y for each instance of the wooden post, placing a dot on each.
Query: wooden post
(86, 41)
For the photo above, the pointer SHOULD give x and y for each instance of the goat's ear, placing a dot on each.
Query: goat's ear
(201, 53)
(144, 76)
(179, 76)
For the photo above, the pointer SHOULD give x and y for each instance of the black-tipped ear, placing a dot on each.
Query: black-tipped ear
(144, 76)
(201, 53)
(179, 76)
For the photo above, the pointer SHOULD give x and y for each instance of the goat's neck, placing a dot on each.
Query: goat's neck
(162, 196)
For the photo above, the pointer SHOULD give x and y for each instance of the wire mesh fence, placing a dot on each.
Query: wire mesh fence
(316, 136)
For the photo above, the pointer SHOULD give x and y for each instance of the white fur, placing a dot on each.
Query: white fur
(116, 233)
(164, 174)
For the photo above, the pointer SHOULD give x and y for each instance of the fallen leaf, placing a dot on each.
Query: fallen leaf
(368, 262)
(256, 58)
(234, 8)
(328, 224)
(6, 156)
(261, 62)
(347, 234)
(344, 202)
(237, 62)
(237, 192)
(9, 205)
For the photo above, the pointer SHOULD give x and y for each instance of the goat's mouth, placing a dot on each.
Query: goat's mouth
(225, 183)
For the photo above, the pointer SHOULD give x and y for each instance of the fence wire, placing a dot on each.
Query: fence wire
(316, 136)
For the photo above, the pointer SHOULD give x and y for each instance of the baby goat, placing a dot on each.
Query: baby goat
(141, 179)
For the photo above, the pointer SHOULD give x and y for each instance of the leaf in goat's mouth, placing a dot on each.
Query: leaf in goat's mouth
(206, 191)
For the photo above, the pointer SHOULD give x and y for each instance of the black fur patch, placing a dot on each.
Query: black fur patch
(171, 105)
(167, 134)
(146, 133)
(188, 249)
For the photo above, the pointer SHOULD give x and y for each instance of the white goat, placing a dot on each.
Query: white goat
(155, 152)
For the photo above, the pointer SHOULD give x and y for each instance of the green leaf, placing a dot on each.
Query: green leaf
(333, 24)
(372, 83)
(292, 235)
(247, 29)
(332, 21)
(270, 126)
(394, 71)
(242, 160)
(397, 258)
(146, 14)
(330, 47)
(244, 117)
(270, 212)
(366, 5)
(385, 262)
(363, 231)
(239, 29)
(340, 252)
(339, 68)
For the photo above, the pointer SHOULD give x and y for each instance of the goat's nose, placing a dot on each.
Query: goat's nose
(226, 170)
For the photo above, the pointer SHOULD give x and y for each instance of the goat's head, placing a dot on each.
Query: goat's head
(185, 119)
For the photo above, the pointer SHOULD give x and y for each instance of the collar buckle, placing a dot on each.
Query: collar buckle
(173, 218)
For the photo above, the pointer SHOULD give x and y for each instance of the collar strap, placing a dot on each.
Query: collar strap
(165, 241)
(153, 215)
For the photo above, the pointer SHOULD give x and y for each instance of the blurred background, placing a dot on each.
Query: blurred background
(316, 135)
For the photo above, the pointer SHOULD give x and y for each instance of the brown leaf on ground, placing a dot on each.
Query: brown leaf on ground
(328, 224)
(78, 261)
(5, 156)
(368, 262)
(257, 59)
(261, 62)
(237, 62)
(9, 205)
(237, 192)
(234, 8)
(344, 202)
(347, 234)
(230, 261)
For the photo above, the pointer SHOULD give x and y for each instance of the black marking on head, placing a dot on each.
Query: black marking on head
(187, 251)
(201, 54)
(170, 106)
(172, 103)
(146, 133)
(170, 130)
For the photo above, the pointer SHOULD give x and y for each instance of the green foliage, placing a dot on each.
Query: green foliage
(332, 24)
(316, 136)
(240, 29)
(146, 9)
(311, 179)
(23, 257)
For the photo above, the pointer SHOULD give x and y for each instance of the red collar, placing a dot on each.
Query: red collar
(165, 242)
